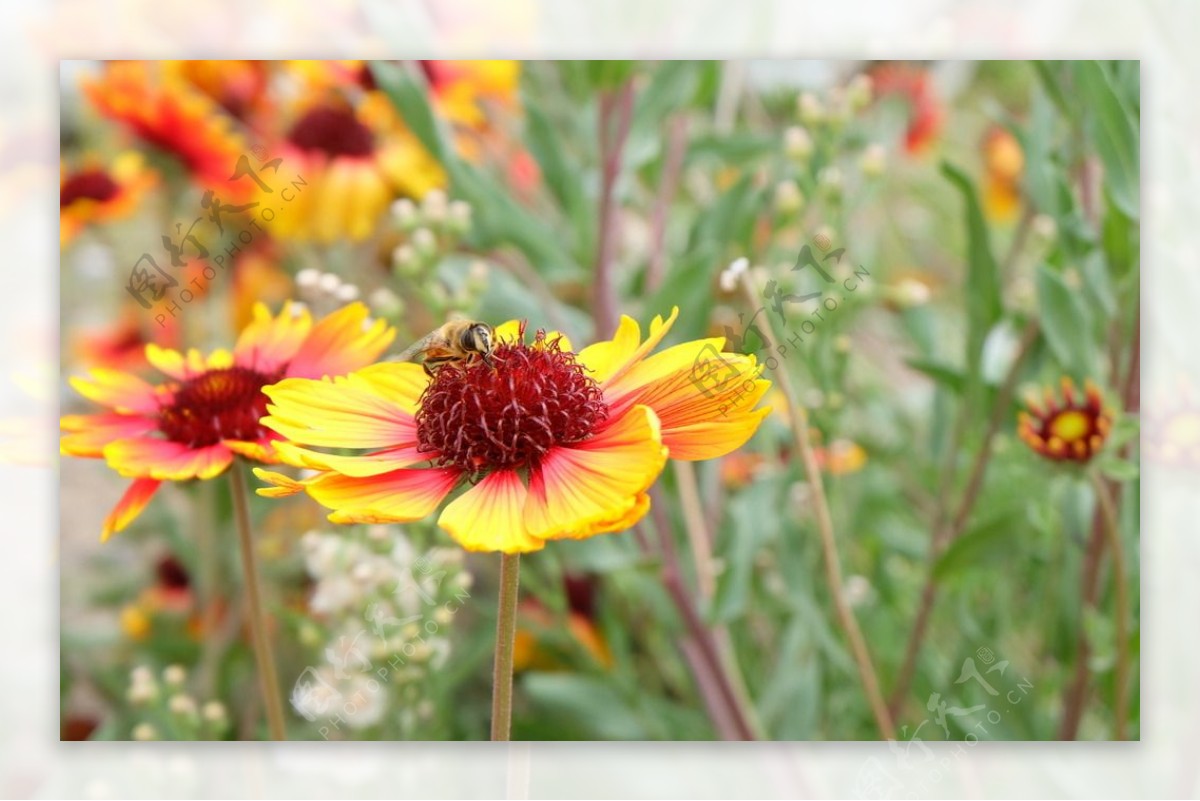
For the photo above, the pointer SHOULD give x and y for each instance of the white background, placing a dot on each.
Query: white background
(34, 36)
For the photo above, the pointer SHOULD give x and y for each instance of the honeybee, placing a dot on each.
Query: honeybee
(456, 341)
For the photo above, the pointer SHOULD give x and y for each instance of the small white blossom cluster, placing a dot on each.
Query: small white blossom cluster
(172, 712)
(821, 121)
(386, 610)
(432, 228)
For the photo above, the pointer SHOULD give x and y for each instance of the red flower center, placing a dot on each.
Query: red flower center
(218, 405)
(333, 131)
(87, 185)
(508, 416)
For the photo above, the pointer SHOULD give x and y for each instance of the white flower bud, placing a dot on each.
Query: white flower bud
(859, 91)
(433, 205)
(329, 283)
(182, 704)
(732, 274)
(459, 216)
(308, 278)
(214, 712)
(403, 257)
(788, 197)
(346, 293)
(873, 160)
(830, 179)
(812, 111)
(424, 241)
(1044, 228)
(797, 144)
(174, 675)
(145, 732)
(404, 212)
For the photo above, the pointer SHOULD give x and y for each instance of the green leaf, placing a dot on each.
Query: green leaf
(581, 707)
(1049, 73)
(983, 273)
(1118, 469)
(1065, 321)
(1125, 429)
(412, 101)
(978, 545)
(1114, 133)
(942, 374)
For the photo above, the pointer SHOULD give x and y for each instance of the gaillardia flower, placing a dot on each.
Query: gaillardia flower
(546, 442)
(167, 112)
(96, 194)
(1072, 429)
(193, 425)
(355, 161)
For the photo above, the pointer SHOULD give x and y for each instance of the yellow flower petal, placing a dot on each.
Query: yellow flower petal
(281, 486)
(490, 516)
(353, 411)
(608, 361)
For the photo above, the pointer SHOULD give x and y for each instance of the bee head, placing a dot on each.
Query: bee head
(477, 339)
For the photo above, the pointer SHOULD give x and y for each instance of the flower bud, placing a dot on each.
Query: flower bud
(812, 111)
(788, 197)
(797, 144)
(873, 160)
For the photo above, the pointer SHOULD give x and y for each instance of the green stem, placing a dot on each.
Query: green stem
(506, 632)
(268, 680)
(1109, 512)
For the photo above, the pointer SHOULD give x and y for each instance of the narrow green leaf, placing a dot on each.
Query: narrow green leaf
(983, 273)
(412, 101)
(978, 546)
(1115, 133)
(1065, 321)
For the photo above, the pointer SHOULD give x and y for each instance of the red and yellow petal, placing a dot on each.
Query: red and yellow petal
(144, 457)
(704, 398)
(371, 464)
(341, 343)
(268, 343)
(281, 486)
(607, 361)
(396, 497)
(354, 411)
(130, 506)
(597, 485)
(87, 434)
(119, 391)
(491, 516)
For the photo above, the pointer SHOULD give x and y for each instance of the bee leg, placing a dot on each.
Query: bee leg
(487, 359)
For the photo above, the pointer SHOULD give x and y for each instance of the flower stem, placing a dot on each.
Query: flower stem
(268, 680)
(947, 529)
(614, 118)
(506, 633)
(833, 569)
(1109, 511)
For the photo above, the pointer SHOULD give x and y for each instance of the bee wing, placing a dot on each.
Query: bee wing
(412, 350)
